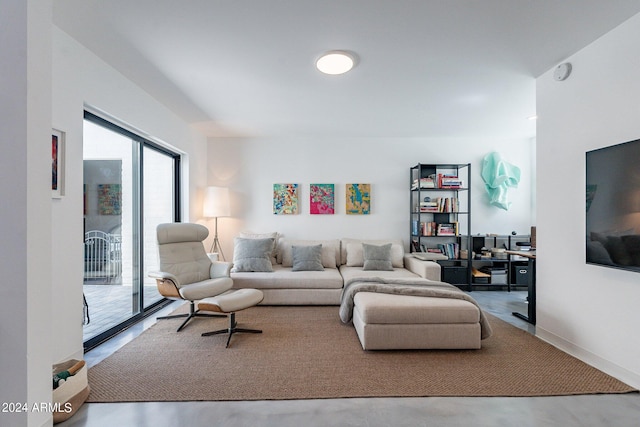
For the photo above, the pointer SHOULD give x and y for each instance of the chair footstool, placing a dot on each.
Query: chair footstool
(228, 303)
(192, 313)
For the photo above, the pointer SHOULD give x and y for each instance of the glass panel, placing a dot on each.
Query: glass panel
(120, 227)
(111, 269)
(158, 208)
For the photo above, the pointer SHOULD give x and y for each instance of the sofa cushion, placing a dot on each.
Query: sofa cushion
(406, 309)
(307, 258)
(353, 254)
(284, 278)
(377, 257)
(252, 254)
(330, 251)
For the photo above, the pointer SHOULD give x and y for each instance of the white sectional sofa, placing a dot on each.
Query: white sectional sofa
(394, 300)
(341, 259)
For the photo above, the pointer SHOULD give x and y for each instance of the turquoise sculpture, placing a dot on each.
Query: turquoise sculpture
(499, 175)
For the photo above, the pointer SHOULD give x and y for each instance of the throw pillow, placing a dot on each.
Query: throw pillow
(355, 257)
(618, 250)
(307, 258)
(377, 257)
(632, 243)
(330, 251)
(251, 235)
(596, 252)
(252, 254)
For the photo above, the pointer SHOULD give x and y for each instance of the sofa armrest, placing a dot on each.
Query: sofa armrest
(220, 269)
(426, 269)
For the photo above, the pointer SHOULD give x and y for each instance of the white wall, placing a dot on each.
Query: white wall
(587, 310)
(25, 172)
(250, 167)
(80, 78)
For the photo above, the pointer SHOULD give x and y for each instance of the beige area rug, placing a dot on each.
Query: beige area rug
(307, 353)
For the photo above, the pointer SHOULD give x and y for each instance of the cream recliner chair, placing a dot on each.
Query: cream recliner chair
(188, 274)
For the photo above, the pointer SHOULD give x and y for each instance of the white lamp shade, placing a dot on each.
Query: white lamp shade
(216, 202)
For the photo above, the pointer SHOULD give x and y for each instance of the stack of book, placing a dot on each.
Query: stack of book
(431, 228)
(430, 206)
(442, 180)
(423, 228)
(423, 183)
(451, 250)
(439, 205)
(447, 229)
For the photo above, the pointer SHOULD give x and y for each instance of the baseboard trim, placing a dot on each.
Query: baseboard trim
(606, 366)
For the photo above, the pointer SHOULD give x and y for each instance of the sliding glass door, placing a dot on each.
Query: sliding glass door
(158, 203)
(130, 186)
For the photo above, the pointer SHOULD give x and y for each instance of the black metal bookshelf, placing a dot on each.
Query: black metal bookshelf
(440, 217)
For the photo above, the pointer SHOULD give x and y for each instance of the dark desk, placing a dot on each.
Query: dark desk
(531, 286)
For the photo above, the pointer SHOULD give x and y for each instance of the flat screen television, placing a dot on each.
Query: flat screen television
(613, 206)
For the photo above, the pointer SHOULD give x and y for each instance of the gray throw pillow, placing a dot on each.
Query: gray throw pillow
(632, 243)
(307, 258)
(252, 254)
(596, 252)
(377, 257)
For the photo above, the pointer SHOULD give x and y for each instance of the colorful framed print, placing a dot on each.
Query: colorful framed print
(285, 199)
(57, 163)
(110, 199)
(321, 199)
(358, 198)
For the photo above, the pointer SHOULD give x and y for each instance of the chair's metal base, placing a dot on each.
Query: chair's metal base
(192, 313)
(232, 329)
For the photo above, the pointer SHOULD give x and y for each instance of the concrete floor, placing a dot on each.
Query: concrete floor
(566, 411)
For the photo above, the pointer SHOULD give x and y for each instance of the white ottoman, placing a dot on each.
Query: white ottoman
(229, 302)
(401, 322)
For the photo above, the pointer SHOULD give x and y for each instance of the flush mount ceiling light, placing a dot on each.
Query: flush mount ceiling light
(335, 62)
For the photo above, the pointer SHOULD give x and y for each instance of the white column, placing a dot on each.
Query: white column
(25, 207)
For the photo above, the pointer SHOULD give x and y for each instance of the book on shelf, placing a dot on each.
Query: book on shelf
(429, 228)
(451, 250)
(423, 228)
(439, 205)
(438, 180)
(447, 229)
(446, 181)
(432, 228)
(423, 183)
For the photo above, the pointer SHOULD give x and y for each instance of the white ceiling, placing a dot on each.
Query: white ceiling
(426, 68)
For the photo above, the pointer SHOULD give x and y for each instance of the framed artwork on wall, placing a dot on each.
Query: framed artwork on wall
(358, 198)
(285, 199)
(321, 199)
(109, 199)
(57, 163)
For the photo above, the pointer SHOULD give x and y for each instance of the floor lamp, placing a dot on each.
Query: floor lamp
(216, 205)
